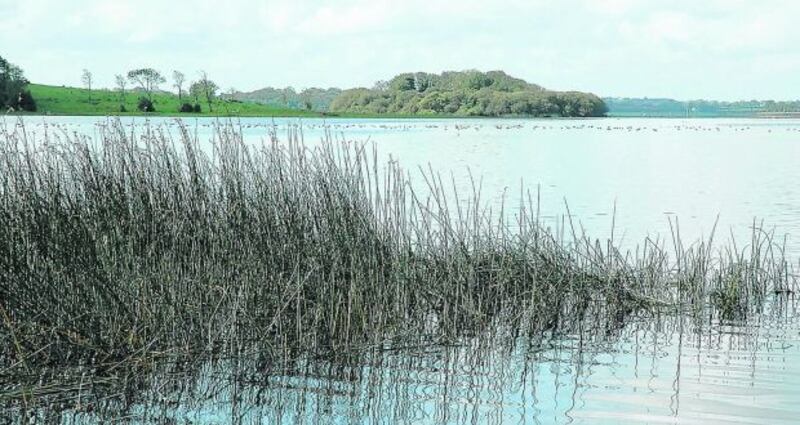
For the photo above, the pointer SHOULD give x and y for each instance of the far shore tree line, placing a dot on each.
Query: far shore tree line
(456, 93)
(699, 108)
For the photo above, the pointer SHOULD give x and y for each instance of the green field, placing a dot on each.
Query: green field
(55, 100)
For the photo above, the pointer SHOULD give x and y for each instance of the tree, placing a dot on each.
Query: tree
(121, 86)
(178, 79)
(423, 81)
(381, 85)
(12, 88)
(286, 94)
(305, 96)
(231, 95)
(196, 91)
(403, 82)
(26, 102)
(208, 89)
(86, 79)
(147, 78)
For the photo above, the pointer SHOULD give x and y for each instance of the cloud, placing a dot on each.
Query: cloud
(610, 7)
(615, 47)
(353, 19)
(743, 31)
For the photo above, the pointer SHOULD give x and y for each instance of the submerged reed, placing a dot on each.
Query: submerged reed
(129, 247)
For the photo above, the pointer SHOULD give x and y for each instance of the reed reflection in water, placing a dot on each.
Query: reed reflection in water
(655, 368)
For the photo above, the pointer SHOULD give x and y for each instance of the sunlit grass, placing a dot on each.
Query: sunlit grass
(77, 101)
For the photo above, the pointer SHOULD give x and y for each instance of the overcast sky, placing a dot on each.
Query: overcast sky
(685, 49)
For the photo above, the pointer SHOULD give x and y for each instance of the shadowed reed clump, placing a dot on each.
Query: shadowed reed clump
(133, 245)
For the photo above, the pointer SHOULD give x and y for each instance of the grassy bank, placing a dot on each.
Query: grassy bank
(55, 100)
(123, 249)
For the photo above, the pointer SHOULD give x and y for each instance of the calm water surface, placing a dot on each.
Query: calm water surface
(653, 370)
(650, 369)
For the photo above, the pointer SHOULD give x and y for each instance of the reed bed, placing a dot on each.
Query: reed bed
(142, 244)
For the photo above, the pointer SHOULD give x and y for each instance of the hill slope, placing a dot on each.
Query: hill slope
(75, 101)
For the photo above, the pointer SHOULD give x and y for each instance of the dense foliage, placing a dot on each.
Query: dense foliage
(467, 93)
(13, 92)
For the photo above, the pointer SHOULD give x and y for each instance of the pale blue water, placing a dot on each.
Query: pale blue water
(652, 371)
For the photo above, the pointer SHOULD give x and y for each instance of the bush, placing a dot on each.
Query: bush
(122, 108)
(197, 108)
(186, 107)
(146, 105)
(26, 101)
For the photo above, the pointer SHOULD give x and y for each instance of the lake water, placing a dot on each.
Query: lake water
(654, 370)
(650, 370)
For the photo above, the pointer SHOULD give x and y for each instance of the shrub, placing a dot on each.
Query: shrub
(186, 107)
(122, 108)
(146, 105)
(197, 108)
(26, 101)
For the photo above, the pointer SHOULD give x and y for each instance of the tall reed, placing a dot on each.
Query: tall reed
(144, 242)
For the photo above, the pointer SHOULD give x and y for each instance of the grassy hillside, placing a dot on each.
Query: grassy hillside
(57, 100)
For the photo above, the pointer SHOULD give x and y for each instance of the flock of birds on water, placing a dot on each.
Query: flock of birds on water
(457, 127)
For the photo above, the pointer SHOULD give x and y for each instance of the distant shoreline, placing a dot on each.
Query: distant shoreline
(77, 102)
(401, 117)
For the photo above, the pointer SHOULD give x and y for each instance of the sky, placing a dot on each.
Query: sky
(683, 49)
